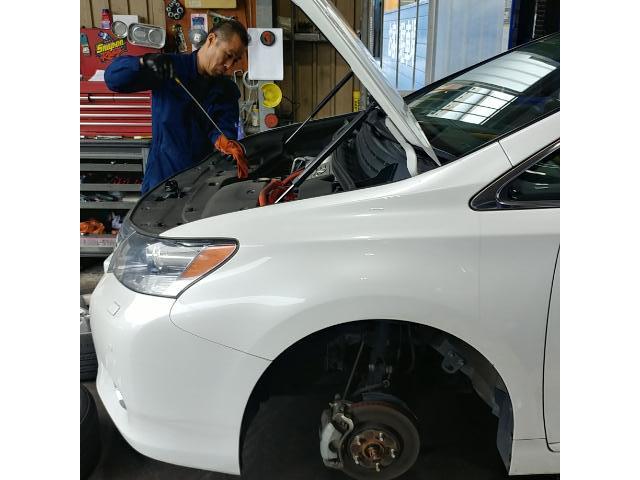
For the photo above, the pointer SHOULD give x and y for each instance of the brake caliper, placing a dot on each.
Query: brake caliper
(335, 427)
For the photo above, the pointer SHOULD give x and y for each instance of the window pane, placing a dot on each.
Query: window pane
(407, 46)
(540, 182)
(490, 100)
(420, 63)
(467, 32)
(390, 40)
(404, 42)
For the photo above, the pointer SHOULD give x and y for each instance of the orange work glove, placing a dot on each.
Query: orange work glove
(233, 148)
(92, 226)
(275, 188)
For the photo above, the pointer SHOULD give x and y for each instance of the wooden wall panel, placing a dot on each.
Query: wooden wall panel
(148, 11)
(325, 73)
(86, 20)
(305, 79)
(140, 8)
(318, 66)
(119, 7)
(96, 10)
(157, 13)
(314, 80)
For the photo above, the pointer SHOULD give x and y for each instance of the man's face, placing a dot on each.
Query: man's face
(221, 55)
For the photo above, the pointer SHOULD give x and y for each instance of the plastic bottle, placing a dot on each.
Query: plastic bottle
(105, 23)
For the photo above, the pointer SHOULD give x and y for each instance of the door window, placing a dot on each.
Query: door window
(540, 182)
(535, 183)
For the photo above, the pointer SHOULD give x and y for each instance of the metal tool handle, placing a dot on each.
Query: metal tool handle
(197, 103)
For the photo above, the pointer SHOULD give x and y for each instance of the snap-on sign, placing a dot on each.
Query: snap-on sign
(99, 47)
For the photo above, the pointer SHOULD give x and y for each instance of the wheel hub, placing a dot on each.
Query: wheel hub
(374, 448)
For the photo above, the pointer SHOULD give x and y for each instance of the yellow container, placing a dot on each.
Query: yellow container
(272, 95)
(356, 100)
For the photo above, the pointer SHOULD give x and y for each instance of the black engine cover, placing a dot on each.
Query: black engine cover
(234, 197)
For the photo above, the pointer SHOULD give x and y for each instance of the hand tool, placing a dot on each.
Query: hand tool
(223, 144)
(198, 104)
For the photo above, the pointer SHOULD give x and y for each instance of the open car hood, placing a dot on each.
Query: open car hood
(333, 26)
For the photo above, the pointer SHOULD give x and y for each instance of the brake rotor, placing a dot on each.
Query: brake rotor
(374, 449)
(384, 442)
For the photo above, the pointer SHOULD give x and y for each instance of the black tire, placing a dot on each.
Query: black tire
(388, 417)
(88, 358)
(281, 442)
(90, 444)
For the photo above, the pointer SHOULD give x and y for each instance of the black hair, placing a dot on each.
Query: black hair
(226, 28)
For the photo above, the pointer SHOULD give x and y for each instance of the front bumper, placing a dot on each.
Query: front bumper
(174, 396)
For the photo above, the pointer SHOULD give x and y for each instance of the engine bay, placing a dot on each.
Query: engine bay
(332, 154)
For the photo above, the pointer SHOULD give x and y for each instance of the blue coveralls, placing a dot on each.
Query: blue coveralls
(181, 134)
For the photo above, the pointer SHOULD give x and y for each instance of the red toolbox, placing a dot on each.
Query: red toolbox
(103, 112)
(106, 113)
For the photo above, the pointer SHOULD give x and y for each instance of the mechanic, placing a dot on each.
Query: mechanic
(181, 134)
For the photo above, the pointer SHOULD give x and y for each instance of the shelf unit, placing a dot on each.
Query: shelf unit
(102, 160)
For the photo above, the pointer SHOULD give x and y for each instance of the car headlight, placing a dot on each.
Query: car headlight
(165, 267)
(126, 229)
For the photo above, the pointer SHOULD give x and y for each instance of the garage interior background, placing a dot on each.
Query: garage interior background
(415, 41)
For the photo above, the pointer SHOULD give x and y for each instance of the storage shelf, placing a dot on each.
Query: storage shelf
(108, 167)
(111, 142)
(107, 205)
(95, 251)
(110, 155)
(110, 187)
(96, 245)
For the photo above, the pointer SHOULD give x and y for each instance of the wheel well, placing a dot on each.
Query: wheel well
(324, 359)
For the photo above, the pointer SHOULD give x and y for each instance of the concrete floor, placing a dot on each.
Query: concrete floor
(460, 447)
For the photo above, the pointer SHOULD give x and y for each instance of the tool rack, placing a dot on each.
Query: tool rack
(99, 159)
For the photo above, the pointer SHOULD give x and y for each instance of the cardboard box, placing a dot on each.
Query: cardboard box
(211, 3)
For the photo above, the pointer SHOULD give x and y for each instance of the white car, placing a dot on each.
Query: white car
(423, 224)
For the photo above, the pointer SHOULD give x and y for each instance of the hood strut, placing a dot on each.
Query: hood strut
(326, 151)
(322, 103)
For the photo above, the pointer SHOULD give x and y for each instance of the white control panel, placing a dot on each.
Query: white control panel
(266, 57)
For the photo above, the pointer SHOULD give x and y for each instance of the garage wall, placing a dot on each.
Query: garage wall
(149, 11)
(318, 66)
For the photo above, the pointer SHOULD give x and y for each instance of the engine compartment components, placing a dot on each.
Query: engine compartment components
(275, 188)
(234, 197)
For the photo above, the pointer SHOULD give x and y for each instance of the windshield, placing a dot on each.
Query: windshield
(464, 112)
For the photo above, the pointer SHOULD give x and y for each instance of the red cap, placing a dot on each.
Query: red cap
(271, 120)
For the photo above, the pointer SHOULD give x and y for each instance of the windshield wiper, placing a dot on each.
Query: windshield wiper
(322, 103)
